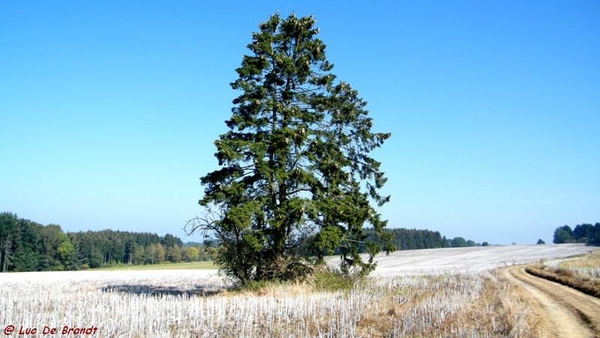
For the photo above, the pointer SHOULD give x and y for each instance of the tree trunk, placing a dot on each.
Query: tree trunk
(6, 254)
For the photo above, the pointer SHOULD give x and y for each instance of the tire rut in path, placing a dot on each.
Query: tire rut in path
(569, 312)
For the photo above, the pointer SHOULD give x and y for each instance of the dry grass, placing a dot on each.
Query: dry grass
(165, 304)
(570, 275)
(475, 305)
(453, 301)
(584, 266)
(581, 273)
(565, 277)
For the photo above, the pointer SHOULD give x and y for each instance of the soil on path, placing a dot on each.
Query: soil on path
(567, 312)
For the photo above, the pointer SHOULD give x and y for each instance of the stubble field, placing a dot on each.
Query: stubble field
(433, 293)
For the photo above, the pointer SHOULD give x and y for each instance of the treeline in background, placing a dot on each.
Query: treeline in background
(30, 246)
(413, 239)
(582, 233)
(403, 239)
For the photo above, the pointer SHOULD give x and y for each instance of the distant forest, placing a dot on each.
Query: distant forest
(583, 233)
(413, 239)
(29, 246)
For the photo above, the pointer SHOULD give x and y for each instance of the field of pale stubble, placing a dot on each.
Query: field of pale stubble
(442, 292)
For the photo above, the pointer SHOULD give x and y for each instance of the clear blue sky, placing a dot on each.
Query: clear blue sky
(109, 109)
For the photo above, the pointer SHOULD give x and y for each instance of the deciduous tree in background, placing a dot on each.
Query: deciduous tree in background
(161, 253)
(295, 162)
(563, 234)
(174, 254)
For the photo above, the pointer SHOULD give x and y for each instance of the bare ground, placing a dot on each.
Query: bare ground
(567, 312)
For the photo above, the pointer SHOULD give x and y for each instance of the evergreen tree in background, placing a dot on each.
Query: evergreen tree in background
(30, 246)
(294, 163)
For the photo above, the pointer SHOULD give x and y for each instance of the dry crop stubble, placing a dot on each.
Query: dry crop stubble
(454, 305)
(397, 306)
(171, 304)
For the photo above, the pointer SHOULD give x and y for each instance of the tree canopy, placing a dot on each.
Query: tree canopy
(294, 162)
(29, 246)
(582, 233)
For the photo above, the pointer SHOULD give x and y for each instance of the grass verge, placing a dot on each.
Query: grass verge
(567, 278)
(164, 266)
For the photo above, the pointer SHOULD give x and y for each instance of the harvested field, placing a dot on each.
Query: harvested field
(472, 259)
(448, 292)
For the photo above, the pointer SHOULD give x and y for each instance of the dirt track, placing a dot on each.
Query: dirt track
(569, 313)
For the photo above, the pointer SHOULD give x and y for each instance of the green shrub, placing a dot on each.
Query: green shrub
(329, 280)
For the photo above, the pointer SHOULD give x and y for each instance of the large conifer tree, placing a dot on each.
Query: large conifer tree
(294, 163)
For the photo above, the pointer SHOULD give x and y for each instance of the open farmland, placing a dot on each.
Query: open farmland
(444, 292)
(472, 259)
